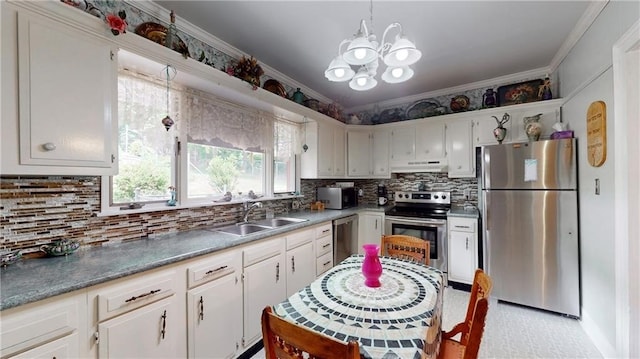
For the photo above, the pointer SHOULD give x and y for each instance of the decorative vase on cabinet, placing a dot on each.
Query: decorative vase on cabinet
(533, 127)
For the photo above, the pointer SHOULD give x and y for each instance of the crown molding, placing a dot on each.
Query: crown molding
(588, 17)
(160, 12)
(513, 78)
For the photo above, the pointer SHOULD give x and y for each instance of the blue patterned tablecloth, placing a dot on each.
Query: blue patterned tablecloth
(400, 319)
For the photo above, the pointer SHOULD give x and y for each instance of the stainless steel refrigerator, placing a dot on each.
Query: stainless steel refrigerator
(530, 224)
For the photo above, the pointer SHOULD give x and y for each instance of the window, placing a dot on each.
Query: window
(284, 164)
(145, 148)
(215, 147)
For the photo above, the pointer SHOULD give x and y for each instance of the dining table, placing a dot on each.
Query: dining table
(399, 319)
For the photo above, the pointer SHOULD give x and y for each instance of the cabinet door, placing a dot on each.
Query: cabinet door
(67, 92)
(483, 130)
(147, 332)
(461, 257)
(402, 144)
(301, 267)
(380, 160)
(264, 284)
(460, 152)
(429, 143)
(325, 150)
(370, 229)
(65, 347)
(339, 157)
(359, 153)
(214, 310)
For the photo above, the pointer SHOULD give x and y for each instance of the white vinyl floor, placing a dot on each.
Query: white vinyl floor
(512, 331)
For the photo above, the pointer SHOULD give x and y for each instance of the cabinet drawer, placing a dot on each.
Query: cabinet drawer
(324, 245)
(38, 324)
(216, 267)
(324, 263)
(296, 239)
(324, 230)
(463, 224)
(262, 251)
(132, 294)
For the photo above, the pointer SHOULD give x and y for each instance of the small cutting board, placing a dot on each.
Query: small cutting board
(597, 133)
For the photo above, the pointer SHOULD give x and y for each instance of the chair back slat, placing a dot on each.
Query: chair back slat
(286, 340)
(406, 247)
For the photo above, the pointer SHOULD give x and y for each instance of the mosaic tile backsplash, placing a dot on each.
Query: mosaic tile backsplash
(38, 210)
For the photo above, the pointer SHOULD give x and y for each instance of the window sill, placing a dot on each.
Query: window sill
(157, 207)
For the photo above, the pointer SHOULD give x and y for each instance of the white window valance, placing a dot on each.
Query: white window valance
(213, 121)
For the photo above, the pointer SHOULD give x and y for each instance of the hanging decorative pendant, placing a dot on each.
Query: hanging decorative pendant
(167, 122)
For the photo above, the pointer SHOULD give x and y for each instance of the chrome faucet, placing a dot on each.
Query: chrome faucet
(246, 209)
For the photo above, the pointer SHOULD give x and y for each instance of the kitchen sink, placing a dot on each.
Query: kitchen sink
(242, 229)
(279, 221)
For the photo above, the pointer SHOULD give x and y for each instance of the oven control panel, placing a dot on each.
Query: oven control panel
(423, 197)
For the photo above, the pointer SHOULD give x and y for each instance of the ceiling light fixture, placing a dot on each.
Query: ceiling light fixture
(363, 51)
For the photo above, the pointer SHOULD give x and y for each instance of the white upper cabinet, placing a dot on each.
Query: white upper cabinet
(418, 146)
(59, 112)
(325, 154)
(460, 152)
(367, 152)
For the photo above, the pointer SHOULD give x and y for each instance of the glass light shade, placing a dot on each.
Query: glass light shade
(362, 81)
(402, 53)
(339, 70)
(360, 51)
(397, 74)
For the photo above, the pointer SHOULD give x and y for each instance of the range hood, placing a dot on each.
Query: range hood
(434, 165)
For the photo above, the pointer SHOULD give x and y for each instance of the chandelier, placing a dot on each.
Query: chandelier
(364, 51)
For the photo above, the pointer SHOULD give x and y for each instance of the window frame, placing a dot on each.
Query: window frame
(180, 172)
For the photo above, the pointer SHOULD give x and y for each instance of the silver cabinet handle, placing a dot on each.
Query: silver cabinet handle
(326, 245)
(278, 271)
(49, 146)
(215, 270)
(467, 244)
(293, 264)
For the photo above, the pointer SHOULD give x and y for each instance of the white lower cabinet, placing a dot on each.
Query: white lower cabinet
(300, 263)
(463, 249)
(139, 317)
(149, 332)
(370, 229)
(264, 283)
(214, 306)
(45, 329)
(324, 248)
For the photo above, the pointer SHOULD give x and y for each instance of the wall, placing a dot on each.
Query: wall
(585, 75)
(38, 210)
(403, 182)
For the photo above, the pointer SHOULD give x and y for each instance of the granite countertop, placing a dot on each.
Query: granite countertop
(30, 280)
(470, 212)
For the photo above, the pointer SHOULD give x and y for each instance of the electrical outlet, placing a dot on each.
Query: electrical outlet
(467, 193)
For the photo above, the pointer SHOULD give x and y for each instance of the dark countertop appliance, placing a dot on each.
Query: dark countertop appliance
(422, 214)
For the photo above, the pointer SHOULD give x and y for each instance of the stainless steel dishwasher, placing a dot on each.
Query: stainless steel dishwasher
(345, 238)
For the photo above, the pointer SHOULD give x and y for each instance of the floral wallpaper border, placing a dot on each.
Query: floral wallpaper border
(110, 10)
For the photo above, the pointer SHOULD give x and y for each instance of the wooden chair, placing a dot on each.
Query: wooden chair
(286, 340)
(472, 328)
(406, 247)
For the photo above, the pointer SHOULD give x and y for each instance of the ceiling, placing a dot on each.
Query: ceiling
(462, 42)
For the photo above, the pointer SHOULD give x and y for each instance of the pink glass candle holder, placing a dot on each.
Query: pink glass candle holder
(371, 266)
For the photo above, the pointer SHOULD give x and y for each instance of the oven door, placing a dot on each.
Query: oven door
(432, 230)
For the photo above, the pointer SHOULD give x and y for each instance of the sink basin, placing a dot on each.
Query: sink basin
(242, 229)
(279, 221)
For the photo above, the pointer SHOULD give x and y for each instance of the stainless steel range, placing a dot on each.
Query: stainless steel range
(423, 215)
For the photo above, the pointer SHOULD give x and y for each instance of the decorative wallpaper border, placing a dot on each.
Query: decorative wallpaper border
(208, 54)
